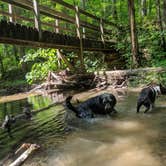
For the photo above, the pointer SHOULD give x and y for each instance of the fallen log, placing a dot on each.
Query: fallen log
(26, 154)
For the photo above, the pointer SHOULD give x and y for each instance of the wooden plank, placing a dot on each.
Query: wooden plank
(48, 45)
(34, 44)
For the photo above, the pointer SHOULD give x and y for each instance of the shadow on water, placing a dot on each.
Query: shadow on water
(127, 139)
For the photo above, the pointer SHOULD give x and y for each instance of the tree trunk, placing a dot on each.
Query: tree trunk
(163, 42)
(104, 9)
(114, 10)
(144, 7)
(133, 35)
(150, 7)
(2, 66)
(164, 13)
(22, 54)
(15, 51)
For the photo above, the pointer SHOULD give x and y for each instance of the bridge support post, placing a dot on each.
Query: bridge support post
(79, 35)
(57, 26)
(37, 18)
(102, 32)
(11, 11)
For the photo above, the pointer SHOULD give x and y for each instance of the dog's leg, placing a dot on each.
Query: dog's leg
(139, 104)
(114, 111)
(148, 106)
(153, 105)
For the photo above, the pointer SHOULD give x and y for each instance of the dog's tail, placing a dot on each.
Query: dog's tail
(69, 105)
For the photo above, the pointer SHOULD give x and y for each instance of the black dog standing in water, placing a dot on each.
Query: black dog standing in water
(101, 104)
(148, 95)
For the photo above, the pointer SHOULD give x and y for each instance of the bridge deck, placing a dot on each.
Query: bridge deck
(81, 30)
(11, 33)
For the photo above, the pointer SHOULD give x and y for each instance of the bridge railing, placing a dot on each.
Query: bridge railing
(80, 23)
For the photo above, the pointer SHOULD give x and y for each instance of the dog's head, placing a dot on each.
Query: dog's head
(108, 100)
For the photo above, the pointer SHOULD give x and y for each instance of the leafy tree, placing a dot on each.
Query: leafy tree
(42, 61)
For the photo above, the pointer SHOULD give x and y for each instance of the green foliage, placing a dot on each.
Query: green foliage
(94, 62)
(44, 60)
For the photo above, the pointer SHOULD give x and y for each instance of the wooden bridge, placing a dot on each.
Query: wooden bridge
(50, 28)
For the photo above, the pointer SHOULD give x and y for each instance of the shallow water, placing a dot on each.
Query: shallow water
(127, 139)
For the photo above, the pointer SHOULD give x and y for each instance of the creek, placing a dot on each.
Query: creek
(127, 139)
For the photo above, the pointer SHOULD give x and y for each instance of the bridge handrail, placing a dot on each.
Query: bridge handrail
(86, 13)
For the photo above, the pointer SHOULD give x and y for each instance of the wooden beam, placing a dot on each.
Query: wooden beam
(34, 44)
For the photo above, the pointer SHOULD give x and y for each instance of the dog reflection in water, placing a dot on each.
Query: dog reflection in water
(101, 104)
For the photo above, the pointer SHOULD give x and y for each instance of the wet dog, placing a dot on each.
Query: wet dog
(148, 96)
(101, 104)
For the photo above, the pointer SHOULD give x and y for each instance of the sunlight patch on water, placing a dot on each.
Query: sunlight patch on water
(126, 125)
(124, 151)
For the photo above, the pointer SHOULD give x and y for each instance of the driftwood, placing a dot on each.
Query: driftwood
(63, 80)
(30, 148)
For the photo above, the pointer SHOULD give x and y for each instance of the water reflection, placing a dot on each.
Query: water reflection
(41, 126)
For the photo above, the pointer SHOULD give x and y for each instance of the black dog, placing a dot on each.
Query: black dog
(101, 104)
(148, 95)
